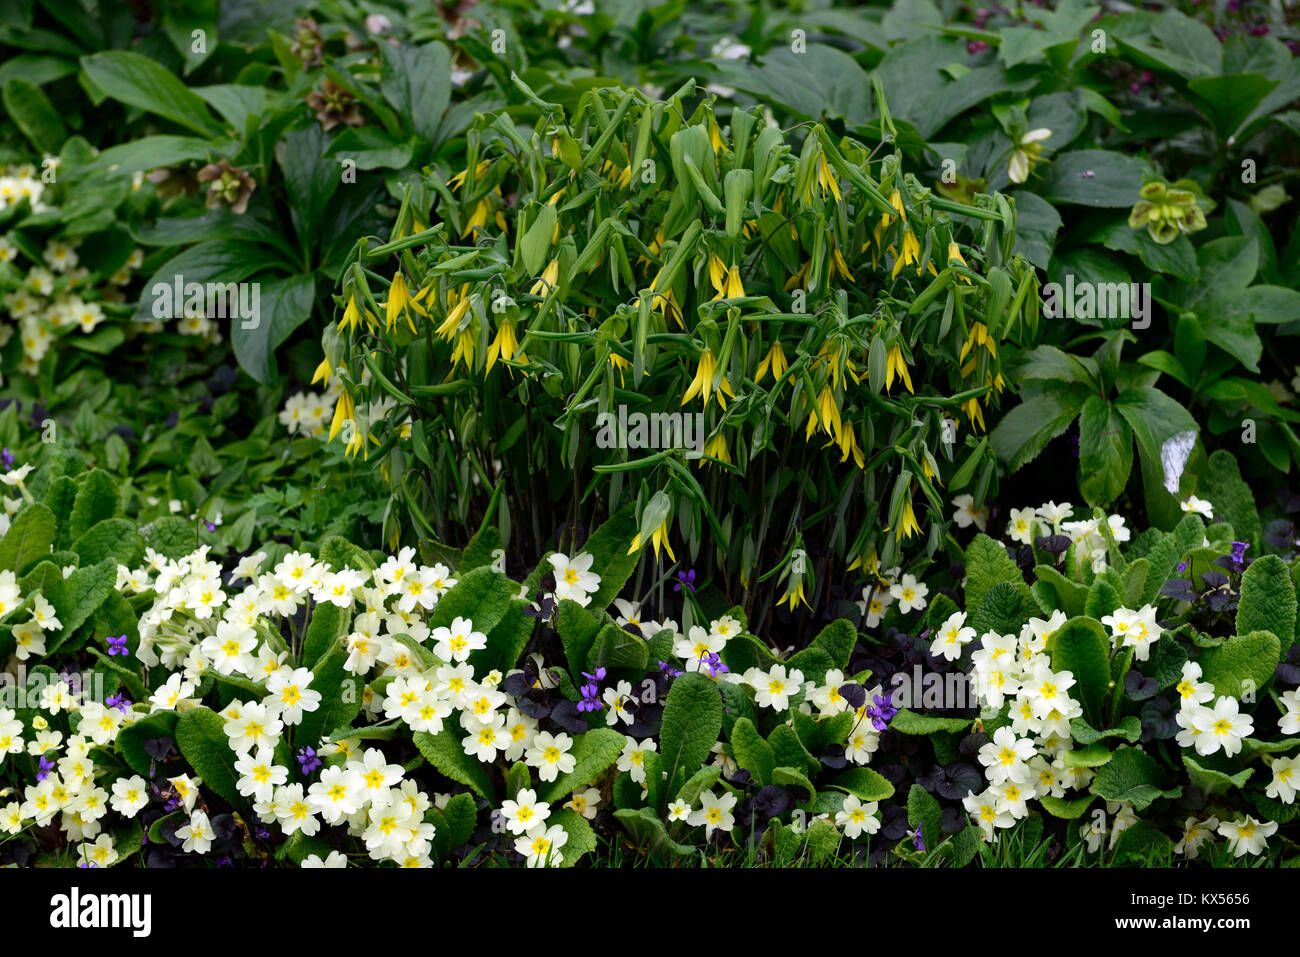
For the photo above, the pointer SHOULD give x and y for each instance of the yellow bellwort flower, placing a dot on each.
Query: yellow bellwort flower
(447, 328)
(323, 372)
(464, 348)
(911, 253)
(619, 365)
(702, 384)
(972, 409)
(896, 366)
(826, 179)
(907, 525)
(775, 361)
(794, 594)
(344, 409)
(658, 538)
(352, 316)
(504, 345)
(849, 446)
(716, 448)
(399, 300)
(955, 256)
(550, 277)
(828, 411)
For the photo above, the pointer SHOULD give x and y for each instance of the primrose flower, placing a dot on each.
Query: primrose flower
(573, 577)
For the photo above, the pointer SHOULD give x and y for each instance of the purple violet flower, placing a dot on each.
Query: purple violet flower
(685, 578)
(307, 760)
(46, 768)
(6, 458)
(116, 645)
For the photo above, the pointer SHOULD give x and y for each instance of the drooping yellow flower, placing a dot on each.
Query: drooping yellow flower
(896, 366)
(549, 278)
(973, 412)
(828, 411)
(775, 361)
(478, 218)
(954, 255)
(726, 280)
(716, 448)
(794, 594)
(702, 384)
(849, 446)
(658, 538)
(978, 335)
(826, 179)
(399, 300)
(357, 444)
(459, 178)
(322, 372)
(344, 410)
(907, 525)
(840, 265)
(504, 345)
(447, 328)
(352, 316)
(464, 348)
(619, 365)
(911, 253)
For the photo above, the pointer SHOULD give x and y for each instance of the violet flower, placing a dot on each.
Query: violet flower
(116, 645)
(686, 578)
(307, 760)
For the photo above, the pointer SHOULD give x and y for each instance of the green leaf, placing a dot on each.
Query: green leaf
(1081, 647)
(1211, 782)
(1241, 662)
(1129, 729)
(29, 539)
(518, 779)
(1025, 431)
(617, 648)
(1221, 483)
(593, 752)
(456, 824)
(1114, 183)
(1001, 610)
(138, 81)
(1268, 599)
(988, 563)
(283, 306)
(1070, 596)
(1134, 776)
(201, 738)
(691, 724)
(171, 536)
(648, 832)
(132, 739)
(1092, 756)
(752, 752)
(115, 538)
(923, 811)
(1142, 843)
(1228, 100)
(327, 623)
(445, 753)
(577, 628)
(864, 784)
(1069, 810)
(582, 839)
(417, 81)
(506, 641)
(80, 594)
(483, 596)
(909, 722)
(1105, 452)
(96, 500)
(838, 639)
(608, 545)
(34, 115)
